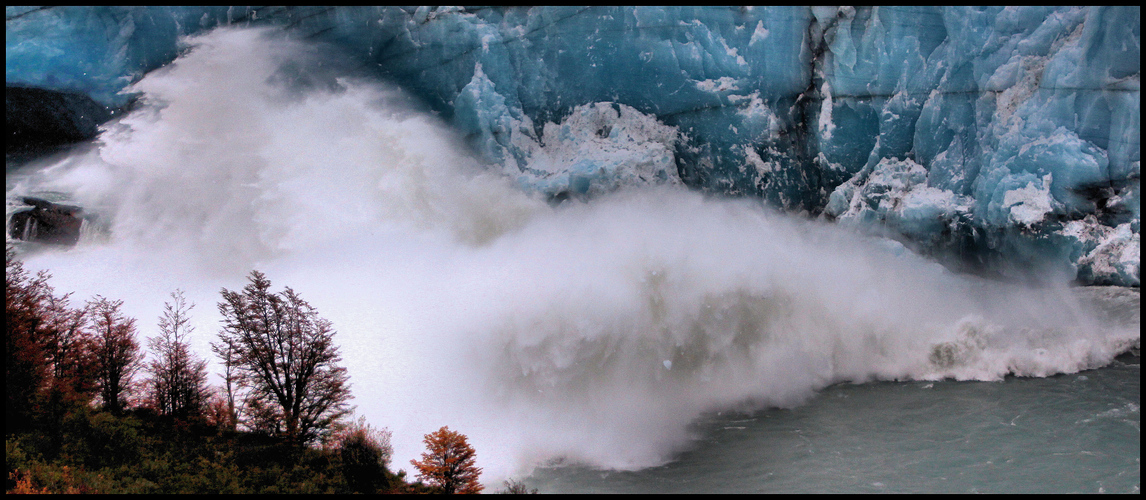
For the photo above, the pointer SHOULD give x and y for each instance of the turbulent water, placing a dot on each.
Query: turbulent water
(1063, 434)
(606, 333)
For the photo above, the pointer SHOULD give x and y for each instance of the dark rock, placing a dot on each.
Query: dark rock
(38, 121)
(47, 222)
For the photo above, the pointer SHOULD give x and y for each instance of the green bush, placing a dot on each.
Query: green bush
(100, 439)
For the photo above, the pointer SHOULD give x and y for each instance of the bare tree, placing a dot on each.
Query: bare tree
(178, 383)
(286, 361)
(515, 487)
(231, 400)
(116, 353)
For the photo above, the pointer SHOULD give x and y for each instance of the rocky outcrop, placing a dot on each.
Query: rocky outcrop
(46, 222)
(37, 121)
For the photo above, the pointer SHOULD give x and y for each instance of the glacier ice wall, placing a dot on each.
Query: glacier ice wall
(1001, 138)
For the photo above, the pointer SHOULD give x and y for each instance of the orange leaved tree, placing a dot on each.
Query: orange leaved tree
(448, 463)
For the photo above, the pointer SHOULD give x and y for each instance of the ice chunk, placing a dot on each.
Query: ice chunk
(895, 194)
(598, 148)
(1030, 204)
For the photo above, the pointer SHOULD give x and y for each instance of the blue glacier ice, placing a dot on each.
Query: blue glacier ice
(1004, 139)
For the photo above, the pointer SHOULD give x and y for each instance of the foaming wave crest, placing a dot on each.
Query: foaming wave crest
(592, 331)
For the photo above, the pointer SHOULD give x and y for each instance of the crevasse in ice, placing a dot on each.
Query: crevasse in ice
(1008, 137)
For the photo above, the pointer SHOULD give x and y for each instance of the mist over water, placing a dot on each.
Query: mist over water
(591, 331)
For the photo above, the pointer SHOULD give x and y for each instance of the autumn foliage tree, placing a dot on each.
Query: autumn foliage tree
(286, 360)
(178, 382)
(68, 349)
(25, 368)
(448, 463)
(280, 356)
(48, 364)
(115, 352)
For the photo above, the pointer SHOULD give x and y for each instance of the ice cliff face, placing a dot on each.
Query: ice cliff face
(1005, 137)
